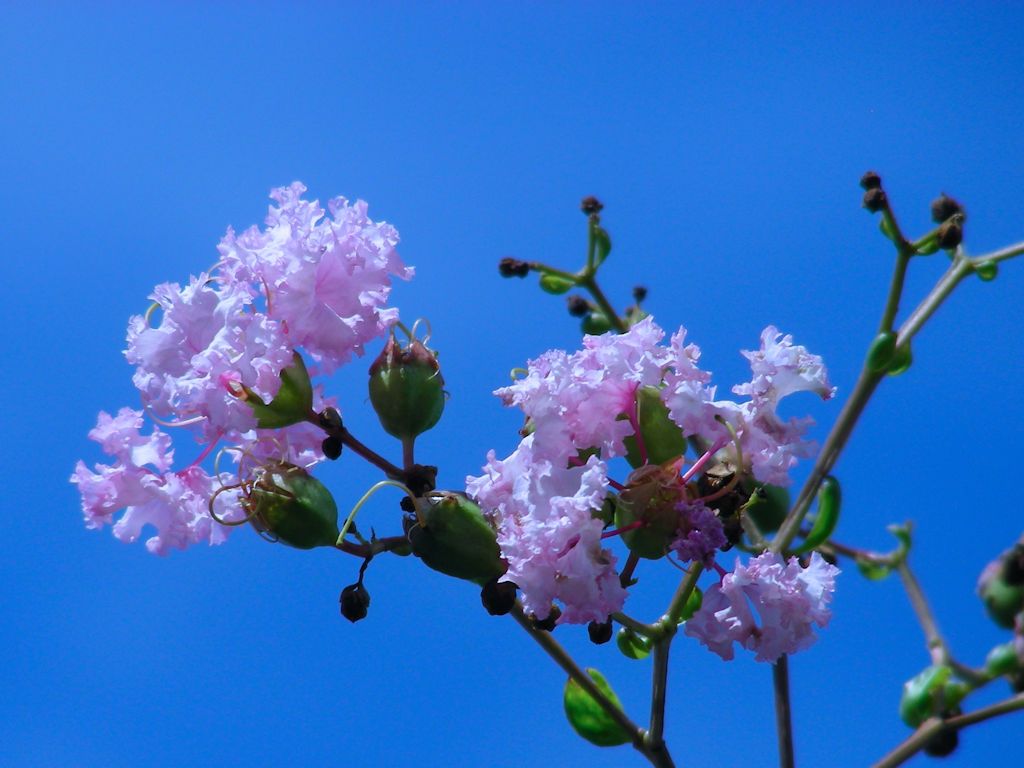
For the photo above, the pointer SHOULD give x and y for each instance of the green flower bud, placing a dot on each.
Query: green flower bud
(662, 438)
(406, 389)
(901, 360)
(1003, 660)
(294, 507)
(922, 695)
(987, 270)
(1002, 600)
(881, 351)
(596, 323)
(456, 539)
(632, 645)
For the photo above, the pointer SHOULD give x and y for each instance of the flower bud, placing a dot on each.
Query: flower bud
(406, 389)
(548, 623)
(591, 205)
(942, 743)
(596, 323)
(945, 207)
(509, 267)
(331, 447)
(1002, 600)
(355, 601)
(1003, 660)
(498, 597)
(600, 632)
(651, 496)
(578, 306)
(922, 694)
(875, 200)
(455, 538)
(870, 180)
(632, 645)
(294, 507)
(951, 233)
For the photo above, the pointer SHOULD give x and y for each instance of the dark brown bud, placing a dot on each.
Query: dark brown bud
(951, 232)
(407, 505)
(871, 180)
(942, 743)
(591, 205)
(548, 624)
(578, 306)
(875, 200)
(509, 267)
(639, 293)
(331, 446)
(498, 597)
(944, 207)
(600, 633)
(330, 419)
(1013, 567)
(355, 601)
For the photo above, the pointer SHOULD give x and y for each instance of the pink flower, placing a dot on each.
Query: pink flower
(768, 606)
(548, 534)
(327, 279)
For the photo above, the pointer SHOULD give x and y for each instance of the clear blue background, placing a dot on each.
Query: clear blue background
(726, 141)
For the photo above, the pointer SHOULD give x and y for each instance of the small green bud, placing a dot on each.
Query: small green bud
(556, 284)
(355, 601)
(987, 270)
(1002, 600)
(632, 645)
(922, 694)
(692, 605)
(881, 351)
(406, 389)
(456, 539)
(901, 360)
(596, 323)
(1003, 660)
(293, 506)
(662, 438)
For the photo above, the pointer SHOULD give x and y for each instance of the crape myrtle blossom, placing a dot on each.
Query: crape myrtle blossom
(768, 606)
(548, 534)
(307, 283)
(587, 401)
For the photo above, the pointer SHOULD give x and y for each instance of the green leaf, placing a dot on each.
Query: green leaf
(921, 694)
(556, 284)
(829, 501)
(602, 246)
(588, 718)
(293, 402)
(873, 570)
(632, 645)
(881, 351)
(662, 438)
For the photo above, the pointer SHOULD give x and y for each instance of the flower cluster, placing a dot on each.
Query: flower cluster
(305, 282)
(768, 606)
(582, 409)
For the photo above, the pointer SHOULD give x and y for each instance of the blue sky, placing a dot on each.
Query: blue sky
(726, 141)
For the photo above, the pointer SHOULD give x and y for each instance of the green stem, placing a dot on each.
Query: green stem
(408, 452)
(659, 690)
(587, 281)
(683, 592)
(892, 302)
(783, 716)
(933, 726)
(1002, 254)
(647, 630)
(658, 758)
(536, 266)
(934, 640)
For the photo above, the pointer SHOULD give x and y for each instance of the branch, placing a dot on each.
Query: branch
(783, 714)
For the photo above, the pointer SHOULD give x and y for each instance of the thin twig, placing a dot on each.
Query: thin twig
(783, 714)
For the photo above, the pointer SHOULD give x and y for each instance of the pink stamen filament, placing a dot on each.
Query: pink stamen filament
(616, 484)
(699, 464)
(624, 529)
(206, 451)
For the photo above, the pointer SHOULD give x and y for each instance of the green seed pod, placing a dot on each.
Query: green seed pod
(588, 718)
(922, 695)
(651, 495)
(455, 539)
(662, 438)
(293, 506)
(406, 389)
